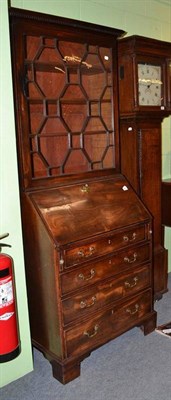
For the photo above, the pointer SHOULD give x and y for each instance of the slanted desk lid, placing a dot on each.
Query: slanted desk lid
(76, 212)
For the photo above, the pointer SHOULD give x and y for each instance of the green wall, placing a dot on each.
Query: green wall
(10, 220)
(150, 18)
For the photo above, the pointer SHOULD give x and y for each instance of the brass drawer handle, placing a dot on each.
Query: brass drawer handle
(131, 238)
(132, 312)
(86, 304)
(131, 260)
(93, 333)
(131, 285)
(85, 188)
(87, 278)
(89, 253)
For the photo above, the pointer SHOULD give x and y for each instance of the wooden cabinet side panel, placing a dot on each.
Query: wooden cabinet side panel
(42, 282)
(150, 174)
(150, 157)
(126, 77)
(129, 155)
(141, 164)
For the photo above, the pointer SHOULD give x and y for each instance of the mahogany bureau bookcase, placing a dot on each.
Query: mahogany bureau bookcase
(87, 235)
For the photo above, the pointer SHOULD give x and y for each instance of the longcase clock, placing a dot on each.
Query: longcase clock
(144, 101)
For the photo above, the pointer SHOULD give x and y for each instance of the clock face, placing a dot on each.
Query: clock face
(149, 85)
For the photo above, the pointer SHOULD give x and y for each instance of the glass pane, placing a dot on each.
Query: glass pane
(106, 58)
(54, 149)
(50, 83)
(95, 125)
(37, 117)
(106, 109)
(76, 162)
(49, 55)
(95, 146)
(32, 46)
(93, 77)
(39, 167)
(72, 53)
(109, 158)
(74, 116)
(53, 126)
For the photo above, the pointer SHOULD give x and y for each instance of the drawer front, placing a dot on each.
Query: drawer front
(107, 325)
(104, 246)
(92, 273)
(82, 304)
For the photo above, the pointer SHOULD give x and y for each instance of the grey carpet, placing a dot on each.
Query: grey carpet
(131, 367)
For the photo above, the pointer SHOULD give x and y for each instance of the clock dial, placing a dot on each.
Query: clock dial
(149, 85)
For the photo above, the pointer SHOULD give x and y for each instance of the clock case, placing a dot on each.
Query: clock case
(136, 50)
(140, 136)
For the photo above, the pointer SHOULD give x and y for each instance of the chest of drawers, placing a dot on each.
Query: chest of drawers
(88, 251)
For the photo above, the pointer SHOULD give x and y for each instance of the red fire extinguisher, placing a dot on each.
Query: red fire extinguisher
(9, 332)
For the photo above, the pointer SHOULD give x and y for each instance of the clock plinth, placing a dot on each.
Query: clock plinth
(144, 101)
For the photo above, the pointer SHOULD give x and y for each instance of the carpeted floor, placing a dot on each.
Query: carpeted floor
(131, 367)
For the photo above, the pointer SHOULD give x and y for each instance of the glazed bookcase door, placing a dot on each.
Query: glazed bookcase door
(69, 116)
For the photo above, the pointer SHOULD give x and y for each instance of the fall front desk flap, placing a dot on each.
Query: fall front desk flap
(79, 211)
